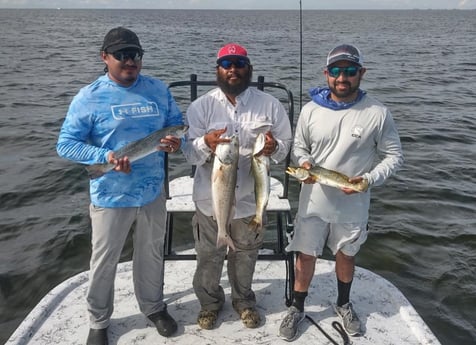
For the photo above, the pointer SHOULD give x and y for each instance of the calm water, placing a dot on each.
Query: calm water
(420, 63)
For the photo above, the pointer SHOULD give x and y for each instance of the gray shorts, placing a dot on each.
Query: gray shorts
(312, 234)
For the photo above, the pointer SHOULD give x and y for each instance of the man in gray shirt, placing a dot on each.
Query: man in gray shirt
(345, 130)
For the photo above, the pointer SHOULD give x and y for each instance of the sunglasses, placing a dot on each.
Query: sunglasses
(123, 55)
(226, 64)
(350, 71)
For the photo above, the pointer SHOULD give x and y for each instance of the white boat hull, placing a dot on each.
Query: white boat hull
(387, 316)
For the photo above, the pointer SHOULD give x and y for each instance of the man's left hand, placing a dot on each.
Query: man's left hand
(270, 144)
(352, 180)
(169, 144)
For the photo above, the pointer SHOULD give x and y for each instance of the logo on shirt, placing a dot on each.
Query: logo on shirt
(134, 110)
(357, 132)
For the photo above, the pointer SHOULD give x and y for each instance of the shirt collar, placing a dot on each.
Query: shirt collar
(242, 98)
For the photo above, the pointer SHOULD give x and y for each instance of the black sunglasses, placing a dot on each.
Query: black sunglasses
(226, 64)
(350, 71)
(123, 55)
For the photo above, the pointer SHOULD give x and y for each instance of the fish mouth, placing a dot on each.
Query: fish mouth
(293, 172)
(290, 171)
(297, 173)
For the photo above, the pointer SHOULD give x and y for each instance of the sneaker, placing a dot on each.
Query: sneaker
(250, 317)
(289, 326)
(165, 324)
(349, 318)
(207, 318)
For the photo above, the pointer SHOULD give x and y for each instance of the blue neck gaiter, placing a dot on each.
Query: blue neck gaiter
(322, 97)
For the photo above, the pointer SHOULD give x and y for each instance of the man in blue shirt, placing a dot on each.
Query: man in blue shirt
(120, 107)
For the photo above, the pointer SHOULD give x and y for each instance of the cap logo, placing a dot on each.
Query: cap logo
(232, 50)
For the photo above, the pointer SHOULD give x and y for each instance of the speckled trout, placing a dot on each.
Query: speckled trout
(138, 149)
(224, 174)
(327, 177)
(260, 169)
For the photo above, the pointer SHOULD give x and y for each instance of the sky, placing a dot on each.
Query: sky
(243, 4)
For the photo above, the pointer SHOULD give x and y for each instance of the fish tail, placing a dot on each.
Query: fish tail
(95, 171)
(255, 224)
(225, 241)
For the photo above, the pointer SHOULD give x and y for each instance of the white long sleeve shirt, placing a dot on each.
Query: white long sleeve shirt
(360, 141)
(255, 112)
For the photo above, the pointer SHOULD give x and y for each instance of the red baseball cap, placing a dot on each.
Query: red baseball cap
(232, 50)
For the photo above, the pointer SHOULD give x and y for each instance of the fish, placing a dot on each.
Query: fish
(224, 175)
(137, 149)
(328, 177)
(260, 167)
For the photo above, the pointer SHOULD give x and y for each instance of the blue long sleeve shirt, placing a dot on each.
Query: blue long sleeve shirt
(104, 116)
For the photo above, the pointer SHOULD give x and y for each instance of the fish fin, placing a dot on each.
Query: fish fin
(255, 224)
(95, 171)
(225, 240)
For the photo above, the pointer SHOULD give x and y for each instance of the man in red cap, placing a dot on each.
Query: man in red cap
(232, 109)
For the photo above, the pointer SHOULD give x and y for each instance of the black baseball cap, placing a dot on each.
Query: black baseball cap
(120, 38)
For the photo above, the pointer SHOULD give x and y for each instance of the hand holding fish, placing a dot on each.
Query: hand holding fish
(213, 138)
(348, 185)
(169, 144)
(121, 164)
(357, 180)
(270, 145)
(311, 179)
(164, 139)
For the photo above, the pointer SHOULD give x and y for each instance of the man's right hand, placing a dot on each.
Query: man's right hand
(311, 179)
(213, 138)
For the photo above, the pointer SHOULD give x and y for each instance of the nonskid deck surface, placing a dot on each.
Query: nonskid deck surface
(387, 316)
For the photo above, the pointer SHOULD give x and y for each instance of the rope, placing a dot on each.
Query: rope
(337, 326)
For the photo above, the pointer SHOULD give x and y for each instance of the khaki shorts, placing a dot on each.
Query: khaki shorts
(312, 234)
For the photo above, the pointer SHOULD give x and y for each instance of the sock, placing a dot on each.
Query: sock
(343, 292)
(298, 300)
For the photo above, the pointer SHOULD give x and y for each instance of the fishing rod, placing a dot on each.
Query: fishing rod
(336, 325)
(300, 55)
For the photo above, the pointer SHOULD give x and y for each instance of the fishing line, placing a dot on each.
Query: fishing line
(337, 326)
(300, 55)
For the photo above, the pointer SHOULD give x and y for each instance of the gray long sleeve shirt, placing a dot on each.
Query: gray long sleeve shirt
(360, 141)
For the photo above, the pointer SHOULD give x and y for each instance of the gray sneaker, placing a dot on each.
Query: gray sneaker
(289, 326)
(349, 318)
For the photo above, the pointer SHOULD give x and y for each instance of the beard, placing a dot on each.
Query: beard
(237, 87)
(349, 93)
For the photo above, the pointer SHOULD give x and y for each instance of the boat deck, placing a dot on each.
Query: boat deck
(387, 316)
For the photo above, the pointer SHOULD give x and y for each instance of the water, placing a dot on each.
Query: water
(420, 63)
